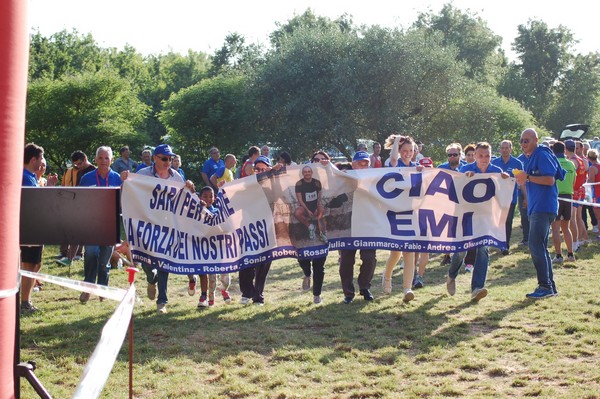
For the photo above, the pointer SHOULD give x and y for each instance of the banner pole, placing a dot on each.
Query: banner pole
(132, 271)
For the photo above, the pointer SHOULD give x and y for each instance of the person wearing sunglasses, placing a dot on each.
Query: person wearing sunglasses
(453, 155)
(508, 163)
(453, 163)
(539, 177)
(161, 168)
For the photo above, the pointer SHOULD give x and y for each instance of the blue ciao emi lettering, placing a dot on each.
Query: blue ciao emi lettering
(401, 223)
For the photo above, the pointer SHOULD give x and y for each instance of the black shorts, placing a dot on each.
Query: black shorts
(564, 207)
(31, 254)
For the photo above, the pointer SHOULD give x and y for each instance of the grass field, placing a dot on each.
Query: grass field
(437, 346)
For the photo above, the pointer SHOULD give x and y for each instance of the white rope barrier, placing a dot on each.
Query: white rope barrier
(101, 362)
(580, 202)
(11, 291)
(116, 294)
(98, 368)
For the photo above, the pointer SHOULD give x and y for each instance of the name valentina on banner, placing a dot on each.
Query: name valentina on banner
(391, 208)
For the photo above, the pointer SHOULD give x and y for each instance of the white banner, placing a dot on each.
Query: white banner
(388, 208)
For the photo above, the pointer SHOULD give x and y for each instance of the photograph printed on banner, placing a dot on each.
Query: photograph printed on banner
(311, 204)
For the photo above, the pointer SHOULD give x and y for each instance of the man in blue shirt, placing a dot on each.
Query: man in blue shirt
(31, 255)
(453, 153)
(96, 258)
(540, 176)
(508, 163)
(483, 154)
(211, 165)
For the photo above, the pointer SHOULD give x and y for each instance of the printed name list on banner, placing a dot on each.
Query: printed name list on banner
(260, 218)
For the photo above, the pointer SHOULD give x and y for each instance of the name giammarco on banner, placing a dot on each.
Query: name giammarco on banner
(304, 211)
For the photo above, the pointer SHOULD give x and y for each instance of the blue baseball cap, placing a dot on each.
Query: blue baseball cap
(361, 156)
(263, 159)
(164, 149)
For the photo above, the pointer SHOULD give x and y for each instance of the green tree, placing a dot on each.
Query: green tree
(64, 53)
(168, 74)
(578, 98)
(235, 57)
(477, 44)
(214, 112)
(479, 114)
(544, 54)
(405, 80)
(81, 113)
(311, 21)
(305, 91)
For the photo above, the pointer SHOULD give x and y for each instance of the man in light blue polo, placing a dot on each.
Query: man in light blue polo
(124, 162)
(541, 172)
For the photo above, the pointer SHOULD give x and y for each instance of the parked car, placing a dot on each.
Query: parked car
(574, 131)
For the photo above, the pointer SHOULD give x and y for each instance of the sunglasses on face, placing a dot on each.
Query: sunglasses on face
(165, 159)
(452, 155)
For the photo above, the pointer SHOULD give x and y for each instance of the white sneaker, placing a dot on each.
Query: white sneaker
(468, 268)
(161, 308)
(386, 284)
(595, 229)
(408, 295)
(557, 260)
(318, 300)
(245, 301)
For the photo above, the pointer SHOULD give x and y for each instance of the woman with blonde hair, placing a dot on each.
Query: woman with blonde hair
(402, 150)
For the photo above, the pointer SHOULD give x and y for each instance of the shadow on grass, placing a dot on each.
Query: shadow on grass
(289, 326)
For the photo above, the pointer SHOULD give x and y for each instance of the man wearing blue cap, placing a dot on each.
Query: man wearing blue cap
(161, 168)
(361, 160)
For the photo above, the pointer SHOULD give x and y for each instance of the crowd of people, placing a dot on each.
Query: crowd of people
(550, 193)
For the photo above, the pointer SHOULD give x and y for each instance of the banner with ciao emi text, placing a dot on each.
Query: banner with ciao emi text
(306, 210)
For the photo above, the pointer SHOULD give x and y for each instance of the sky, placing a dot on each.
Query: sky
(161, 26)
